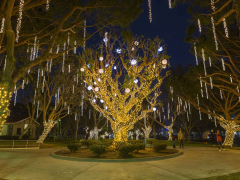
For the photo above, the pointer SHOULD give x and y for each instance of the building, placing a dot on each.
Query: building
(16, 128)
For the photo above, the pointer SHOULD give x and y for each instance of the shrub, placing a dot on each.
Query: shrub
(135, 141)
(138, 147)
(74, 146)
(158, 146)
(98, 149)
(151, 141)
(124, 150)
(107, 142)
(89, 142)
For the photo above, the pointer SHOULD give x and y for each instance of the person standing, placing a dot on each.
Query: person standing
(219, 141)
(173, 140)
(205, 136)
(181, 138)
(213, 138)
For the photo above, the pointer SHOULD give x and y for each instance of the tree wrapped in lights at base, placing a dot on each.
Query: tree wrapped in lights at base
(121, 75)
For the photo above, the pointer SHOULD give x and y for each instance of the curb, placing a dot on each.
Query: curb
(116, 160)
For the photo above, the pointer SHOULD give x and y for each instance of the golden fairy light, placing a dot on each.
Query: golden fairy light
(124, 99)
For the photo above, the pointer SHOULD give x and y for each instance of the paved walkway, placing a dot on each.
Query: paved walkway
(196, 162)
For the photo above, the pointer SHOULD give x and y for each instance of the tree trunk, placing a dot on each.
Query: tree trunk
(47, 128)
(76, 131)
(229, 137)
(154, 131)
(24, 131)
(120, 135)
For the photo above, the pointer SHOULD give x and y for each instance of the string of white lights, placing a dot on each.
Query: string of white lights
(195, 50)
(210, 62)
(19, 20)
(2, 26)
(211, 82)
(84, 35)
(170, 4)
(214, 33)
(150, 10)
(213, 6)
(225, 28)
(204, 65)
(223, 64)
(64, 55)
(199, 26)
(47, 5)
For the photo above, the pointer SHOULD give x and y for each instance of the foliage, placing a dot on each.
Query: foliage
(107, 142)
(159, 145)
(74, 146)
(135, 141)
(89, 142)
(151, 141)
(138, 147)
(125, 150)
(98, 149)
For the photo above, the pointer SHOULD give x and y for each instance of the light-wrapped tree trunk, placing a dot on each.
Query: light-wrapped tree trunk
(47, 128)
(147, 131)
(231, 127)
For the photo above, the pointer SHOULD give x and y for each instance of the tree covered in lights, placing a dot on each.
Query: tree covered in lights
(120, 75)
(216, 49)
(40, 32)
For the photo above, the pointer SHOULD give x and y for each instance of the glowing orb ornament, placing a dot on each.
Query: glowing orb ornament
(95, 83)
(105, 40)
(135, 81)
(164, 62)
(99, 79)
(119, 51)
(101, 58)
(133, 62)
(160, 49)
(127, 90)
(101, 71)
(136, 43)
(89, 88)
(106, 65)
(96, 88)
(82, 69)
(114, 67)
(94, 101)
(133, 49)
(88, 65)
(101, 101)
(154, 108)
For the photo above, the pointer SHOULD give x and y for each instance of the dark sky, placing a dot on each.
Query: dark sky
(169, 25)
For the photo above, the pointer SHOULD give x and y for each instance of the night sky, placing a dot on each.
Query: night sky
(169, 25)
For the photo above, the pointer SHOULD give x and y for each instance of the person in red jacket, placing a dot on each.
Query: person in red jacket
(219, 141)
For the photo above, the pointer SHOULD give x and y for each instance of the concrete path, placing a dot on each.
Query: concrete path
(196, 162)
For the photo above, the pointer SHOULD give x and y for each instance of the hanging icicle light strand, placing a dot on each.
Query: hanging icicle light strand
(170, 4)
(199, 26)
(84, 34)
(223, 64)
(47, 5)
(19, 20)
(213, 6)
(225, 27)
(204, 65)
(150, 10)
(2, 26)
(214, 33)
(195, 50)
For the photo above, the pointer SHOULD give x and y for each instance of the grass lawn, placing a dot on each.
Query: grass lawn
(234, 176)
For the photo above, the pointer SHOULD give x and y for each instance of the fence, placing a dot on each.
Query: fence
(18, 144)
